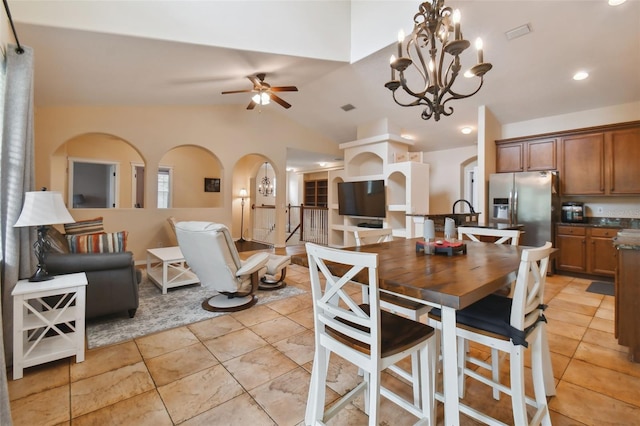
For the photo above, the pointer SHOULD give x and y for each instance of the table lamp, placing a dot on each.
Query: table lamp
(42, 208)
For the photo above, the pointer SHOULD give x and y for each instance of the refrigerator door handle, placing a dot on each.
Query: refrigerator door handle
(510, 211)
(514, 212)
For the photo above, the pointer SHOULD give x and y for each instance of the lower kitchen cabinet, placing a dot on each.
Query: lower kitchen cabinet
(586, 250)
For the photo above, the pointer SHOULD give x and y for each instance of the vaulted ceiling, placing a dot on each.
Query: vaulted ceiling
(335, 52)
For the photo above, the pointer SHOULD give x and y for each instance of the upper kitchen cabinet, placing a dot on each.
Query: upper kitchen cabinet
(623, 148)
(518, 155)
(582, 165)
(601, 163)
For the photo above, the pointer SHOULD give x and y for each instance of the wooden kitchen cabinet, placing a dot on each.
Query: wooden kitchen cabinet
(602, 254)
(603, 163)
(525, 156)
(582, 165)
(571, 244)
(601, 160)
(627, 321)
(623, 149)
(627, 294)
(586, 250)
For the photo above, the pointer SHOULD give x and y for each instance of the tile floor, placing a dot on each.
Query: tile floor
(253, 368)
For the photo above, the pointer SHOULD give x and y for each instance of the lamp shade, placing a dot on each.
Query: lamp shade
(243, 193)
(43, 208)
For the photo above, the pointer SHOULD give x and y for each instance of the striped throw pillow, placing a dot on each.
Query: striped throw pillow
(98, 243)
(89, 226)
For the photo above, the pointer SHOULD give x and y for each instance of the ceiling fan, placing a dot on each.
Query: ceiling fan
(264, 92)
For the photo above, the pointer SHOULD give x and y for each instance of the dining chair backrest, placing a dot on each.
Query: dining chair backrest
(503, 235)
(361, 333)
(372, 236)
(334, 306)
(528, 294)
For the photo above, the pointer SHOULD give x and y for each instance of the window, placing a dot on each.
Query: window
(164, 187)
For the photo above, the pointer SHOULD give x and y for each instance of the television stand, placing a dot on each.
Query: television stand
(376, 225)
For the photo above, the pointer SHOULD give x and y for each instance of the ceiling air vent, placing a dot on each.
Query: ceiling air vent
(518, 32)
(347, 107)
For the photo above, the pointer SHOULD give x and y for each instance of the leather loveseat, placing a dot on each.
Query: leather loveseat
(112, 277)
(112, 280)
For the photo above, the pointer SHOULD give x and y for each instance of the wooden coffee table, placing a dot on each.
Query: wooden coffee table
(167, 269)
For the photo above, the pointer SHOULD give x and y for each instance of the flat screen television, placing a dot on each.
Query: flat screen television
(362, 198)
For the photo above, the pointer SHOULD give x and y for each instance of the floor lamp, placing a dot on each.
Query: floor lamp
(243, 195)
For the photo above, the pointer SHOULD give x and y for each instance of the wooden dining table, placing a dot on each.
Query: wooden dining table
(447, 282)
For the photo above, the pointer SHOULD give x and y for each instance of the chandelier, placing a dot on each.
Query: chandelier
(435, 26)
(265, 187)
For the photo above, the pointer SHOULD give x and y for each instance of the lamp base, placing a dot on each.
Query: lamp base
(41, 274)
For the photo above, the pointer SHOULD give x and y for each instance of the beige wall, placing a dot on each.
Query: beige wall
(191, 165)
(445, 176)
(229, 132)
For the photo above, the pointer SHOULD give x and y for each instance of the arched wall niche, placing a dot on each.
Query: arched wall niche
(77, 156)
(195, 177)
(365, 164)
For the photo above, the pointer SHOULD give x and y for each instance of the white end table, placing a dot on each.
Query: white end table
(166, 268)
(37, 333)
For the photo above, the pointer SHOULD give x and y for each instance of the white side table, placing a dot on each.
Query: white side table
(37, 333)
(167, 269)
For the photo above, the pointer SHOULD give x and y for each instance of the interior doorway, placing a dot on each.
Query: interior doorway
(93, 184)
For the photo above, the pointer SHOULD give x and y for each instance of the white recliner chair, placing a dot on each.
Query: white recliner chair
(211, 254)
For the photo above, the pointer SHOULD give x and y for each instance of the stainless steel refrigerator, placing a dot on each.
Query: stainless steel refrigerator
(529, 199)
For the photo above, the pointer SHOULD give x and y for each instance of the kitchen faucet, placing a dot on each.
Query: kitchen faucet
(453, 209)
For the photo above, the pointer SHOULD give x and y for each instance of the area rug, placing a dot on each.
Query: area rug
(601, 287)
(157, 312)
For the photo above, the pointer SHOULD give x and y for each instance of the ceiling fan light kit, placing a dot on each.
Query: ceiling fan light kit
(432, 55)
(264, 92)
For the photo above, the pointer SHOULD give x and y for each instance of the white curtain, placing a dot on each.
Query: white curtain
(16, 177)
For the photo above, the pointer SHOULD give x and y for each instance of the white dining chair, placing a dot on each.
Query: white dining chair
(503, 236)
(390, 302)
(511, 325)
(363, 334)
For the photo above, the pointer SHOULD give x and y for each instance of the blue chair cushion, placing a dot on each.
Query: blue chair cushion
(491, 314)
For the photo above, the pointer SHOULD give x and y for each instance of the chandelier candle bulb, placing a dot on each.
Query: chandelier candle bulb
(479, 47)
(456, 24)
(400, 40)
(393, 71)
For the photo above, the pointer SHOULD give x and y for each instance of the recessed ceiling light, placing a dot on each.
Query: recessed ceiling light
(407, 136)
(580, 75)
(466, 130)
(616, 2)
(322, 164)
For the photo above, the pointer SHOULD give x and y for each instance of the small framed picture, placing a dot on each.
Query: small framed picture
(211, 185)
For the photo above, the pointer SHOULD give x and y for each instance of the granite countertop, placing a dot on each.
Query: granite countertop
(607, 222)
(627, 239)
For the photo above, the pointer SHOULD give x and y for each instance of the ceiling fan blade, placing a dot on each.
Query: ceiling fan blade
(251, 105)
(284, 89)
(237, 91)
(280, 100)
(256, 82)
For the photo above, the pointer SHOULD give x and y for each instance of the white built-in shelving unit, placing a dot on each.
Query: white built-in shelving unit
(406, 178)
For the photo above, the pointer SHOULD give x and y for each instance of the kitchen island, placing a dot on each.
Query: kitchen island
(627, 291)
